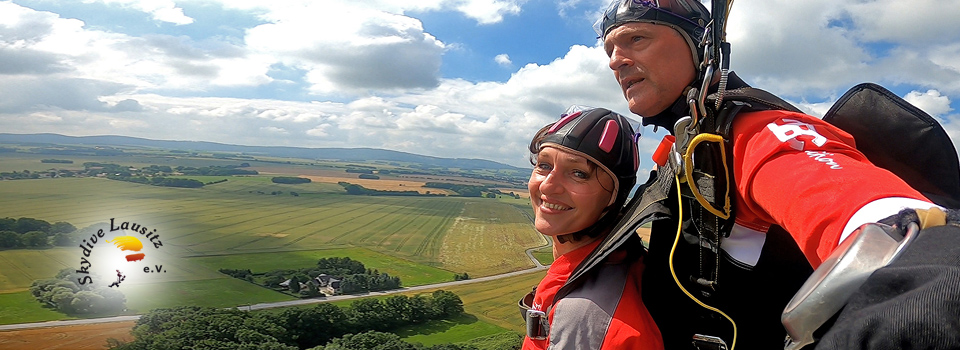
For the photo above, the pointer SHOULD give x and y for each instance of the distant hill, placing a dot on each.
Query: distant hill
(344, 154)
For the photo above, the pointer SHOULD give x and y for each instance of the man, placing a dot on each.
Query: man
(753, 196)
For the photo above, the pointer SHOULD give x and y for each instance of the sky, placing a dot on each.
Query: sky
(445, 78)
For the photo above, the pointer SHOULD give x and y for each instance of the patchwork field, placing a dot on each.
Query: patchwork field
(251, 222)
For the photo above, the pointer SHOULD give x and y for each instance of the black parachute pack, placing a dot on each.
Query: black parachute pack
(901, 138)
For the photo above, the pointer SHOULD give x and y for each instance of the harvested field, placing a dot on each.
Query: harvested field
(487, 239)
(384, 184)
(80, 337)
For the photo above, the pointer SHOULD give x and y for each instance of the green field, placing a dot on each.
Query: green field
(449, 331)
(21, 267)
(21, 307)
(248, 222)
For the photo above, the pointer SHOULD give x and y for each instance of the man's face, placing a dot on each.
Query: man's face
(652, 63)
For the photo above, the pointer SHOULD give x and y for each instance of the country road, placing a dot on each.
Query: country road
(539, 267)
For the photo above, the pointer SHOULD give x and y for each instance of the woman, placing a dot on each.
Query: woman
(584, 168)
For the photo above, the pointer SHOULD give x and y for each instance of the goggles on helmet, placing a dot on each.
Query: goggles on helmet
(688, 16)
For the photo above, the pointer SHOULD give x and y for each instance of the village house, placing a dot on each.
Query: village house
(326, 284)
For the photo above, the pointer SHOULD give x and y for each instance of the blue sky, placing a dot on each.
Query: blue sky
(448, 78)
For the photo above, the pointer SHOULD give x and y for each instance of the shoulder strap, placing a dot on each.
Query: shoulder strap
(751, 99)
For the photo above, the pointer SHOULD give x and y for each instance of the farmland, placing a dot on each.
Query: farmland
(249, 222)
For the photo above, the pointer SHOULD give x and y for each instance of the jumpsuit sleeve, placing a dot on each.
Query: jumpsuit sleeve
(801, 173)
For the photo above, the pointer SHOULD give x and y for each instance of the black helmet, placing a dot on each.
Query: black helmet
(604, 137)
(689, 17)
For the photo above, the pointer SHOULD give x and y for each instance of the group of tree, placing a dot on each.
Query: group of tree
(64, 294)
(371, 281)
(214, 170)
(461, 277)
(192, 327)
(290, 180)
(245, 274)
(354, 189)
(18, 175)
(462, 190)
(34, 233)
(95, 168)
(160, 181)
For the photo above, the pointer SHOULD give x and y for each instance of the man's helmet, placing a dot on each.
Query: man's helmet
(600, 135)
(689, 17)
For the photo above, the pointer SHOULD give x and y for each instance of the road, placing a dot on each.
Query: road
(263, 306)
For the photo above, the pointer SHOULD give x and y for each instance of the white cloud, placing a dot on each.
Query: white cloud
(161, 10)
(503, 60)
(906, 22)
(349, 48)
(489, 11)
(931, 102)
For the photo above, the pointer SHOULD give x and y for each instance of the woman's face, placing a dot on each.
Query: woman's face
(568, 193)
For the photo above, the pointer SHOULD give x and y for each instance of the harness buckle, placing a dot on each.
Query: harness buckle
(708, 342)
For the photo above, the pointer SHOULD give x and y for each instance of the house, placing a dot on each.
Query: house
(333, 288)
(286, 284)
(328, 284)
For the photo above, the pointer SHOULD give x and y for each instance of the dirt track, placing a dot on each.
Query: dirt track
(93, 336)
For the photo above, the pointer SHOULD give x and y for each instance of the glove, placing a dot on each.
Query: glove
(913, 303)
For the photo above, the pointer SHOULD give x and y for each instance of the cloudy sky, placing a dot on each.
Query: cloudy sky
(448, 78)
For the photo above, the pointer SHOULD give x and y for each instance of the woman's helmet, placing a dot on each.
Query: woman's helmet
(600, 135)
(689, 17)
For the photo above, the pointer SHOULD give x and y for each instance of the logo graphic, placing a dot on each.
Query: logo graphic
(129, 243)
(125, 243)
(792, 130)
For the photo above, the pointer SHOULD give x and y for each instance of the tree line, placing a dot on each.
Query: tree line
(317, 327)
(354, 189)
(289, 180)
(155, 174)
(34, 233)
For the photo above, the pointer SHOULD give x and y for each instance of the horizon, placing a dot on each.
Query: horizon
(254, 146)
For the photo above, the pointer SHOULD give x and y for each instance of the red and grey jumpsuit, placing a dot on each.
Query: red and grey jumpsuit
(604, 312)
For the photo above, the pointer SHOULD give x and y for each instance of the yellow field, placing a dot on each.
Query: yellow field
(489, 238)
(386, 183)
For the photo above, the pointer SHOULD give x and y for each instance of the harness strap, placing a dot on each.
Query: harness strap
(708, 172)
